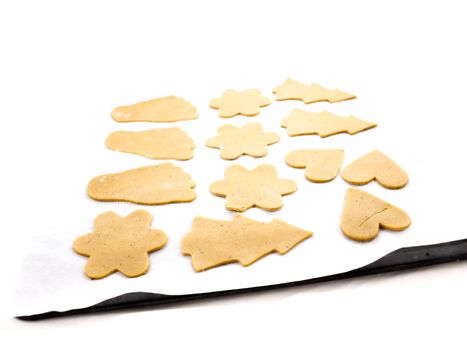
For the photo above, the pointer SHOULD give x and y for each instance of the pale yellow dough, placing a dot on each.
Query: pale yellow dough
(375, 166)
(364, 214)
(162, 109)
(260, 187)
(245, 103)
(322, 165)
(293, 90)
(156, 184)
(119, 244)
(323, 124)
(213, 243)
(169, 143)
(236, 141)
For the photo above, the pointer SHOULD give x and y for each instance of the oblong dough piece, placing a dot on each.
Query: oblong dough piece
(119, 244)
(156, 184)
(213, 243)
(322, 165)
(162, 109)
(375, 166)
(168, 143)
(249, 139)
(259, 187)
(364, 214)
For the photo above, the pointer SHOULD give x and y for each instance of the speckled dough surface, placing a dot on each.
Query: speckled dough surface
(323, 124)
(236, 141)
(169, 143)
(245, 103)
(364, 214)
(293, 90)
(156, 184)
(375, 166)
(217, 242)
(162, 109)
(260, 187)
(119, 244)
(322, 165)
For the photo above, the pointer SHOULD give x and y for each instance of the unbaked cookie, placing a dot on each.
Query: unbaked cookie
(293, 90)
(169, 143)
(375, 166)
(119, 244)
(364, 214)
(236, 141)
(156, 184)
(213, 243)
(260, 187)
(245, 103)
(323, 124)
(322, 165)
(163, 109)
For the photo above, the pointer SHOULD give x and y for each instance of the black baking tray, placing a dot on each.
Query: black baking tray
(398, 260)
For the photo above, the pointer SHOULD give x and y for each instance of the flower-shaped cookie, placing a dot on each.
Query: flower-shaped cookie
(119, 244)
(236, 141)
(234, 102)
(259, 187)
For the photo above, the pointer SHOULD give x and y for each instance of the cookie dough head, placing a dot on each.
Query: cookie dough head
(119, 244)
(364, 214)
(246, 140)
(217, 242)
(321, 165)
(375, 166)
(259, 187)
(245, 103)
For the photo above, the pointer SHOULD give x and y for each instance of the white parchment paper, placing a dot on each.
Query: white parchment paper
(408, 131)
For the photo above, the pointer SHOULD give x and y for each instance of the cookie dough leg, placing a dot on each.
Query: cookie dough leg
(138, 266)
(97, 268)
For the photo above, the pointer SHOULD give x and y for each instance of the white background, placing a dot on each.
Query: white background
(64, 66)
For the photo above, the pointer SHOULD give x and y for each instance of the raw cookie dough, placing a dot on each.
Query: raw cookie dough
(323, 124)
(236, 141)
(247, 103)
(169, 143)
(156, 184)
(163, 109)
(322, 165)
(213, 243)
(259, 187)
(293, 90)
(119, 244)
(364, 214)
(375, 166)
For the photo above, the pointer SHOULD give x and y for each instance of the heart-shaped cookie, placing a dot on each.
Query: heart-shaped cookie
(375, 166)
(364, 214)
(322, 165)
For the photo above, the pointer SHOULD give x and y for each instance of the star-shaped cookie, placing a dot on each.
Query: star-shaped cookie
(236, 141)
(364, 214)
(293, 90)
(247, 103)
(119, 244)
(260, 187)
